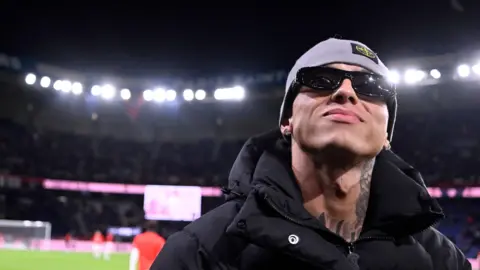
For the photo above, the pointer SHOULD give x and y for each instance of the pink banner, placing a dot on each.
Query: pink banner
(113, 188)
(61, 245)
(475, 264)
(469, 192)
(79, 246)
(12, 181)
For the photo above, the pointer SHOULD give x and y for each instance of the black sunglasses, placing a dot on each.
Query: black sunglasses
(367, 85)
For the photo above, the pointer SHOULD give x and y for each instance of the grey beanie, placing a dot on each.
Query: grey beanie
(337, 51)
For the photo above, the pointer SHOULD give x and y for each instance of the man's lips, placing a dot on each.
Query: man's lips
(343, 115)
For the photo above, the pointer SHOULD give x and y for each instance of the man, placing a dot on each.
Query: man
(145, 247)
(109, 246)
(298, 197)
(97, 245)
(68, 241)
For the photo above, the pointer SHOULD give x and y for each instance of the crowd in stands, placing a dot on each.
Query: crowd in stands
(445, 147)
(462, 224)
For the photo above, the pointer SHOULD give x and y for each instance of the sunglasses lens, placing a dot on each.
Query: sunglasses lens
(321, 79)
(372, 86)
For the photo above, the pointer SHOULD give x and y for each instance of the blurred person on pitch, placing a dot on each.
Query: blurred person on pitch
(324, 190)
(145, 247)
(97, 244)
(109, 246)
(68, 241)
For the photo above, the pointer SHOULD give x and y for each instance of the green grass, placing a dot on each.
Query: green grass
(41, 260)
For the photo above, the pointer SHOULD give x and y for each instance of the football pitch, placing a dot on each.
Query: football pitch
(57, 260)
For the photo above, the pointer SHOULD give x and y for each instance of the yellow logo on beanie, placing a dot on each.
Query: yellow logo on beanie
(365, 51)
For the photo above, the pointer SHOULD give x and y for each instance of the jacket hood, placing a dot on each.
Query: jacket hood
(398, 192)
(243, 169)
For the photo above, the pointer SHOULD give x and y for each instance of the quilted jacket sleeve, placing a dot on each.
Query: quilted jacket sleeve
(445, 255)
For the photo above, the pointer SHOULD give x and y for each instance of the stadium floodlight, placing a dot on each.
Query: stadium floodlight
(463, 70)
(30, 79)
(148, 95)
(171, 95)
(393, 76)
(125, 94)
(200, 94)
(435, 73)
(238, 92)
(233, 93)
(58, 85)
(66, 86)
(159, 95)
(77, 88)
(188, 94)
(476, 69)
(414, 76)
(108, 91)
(25, 234)
(96, 90)
(221, 94)
(45, 82)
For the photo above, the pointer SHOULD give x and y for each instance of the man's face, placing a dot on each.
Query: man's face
(339, 119)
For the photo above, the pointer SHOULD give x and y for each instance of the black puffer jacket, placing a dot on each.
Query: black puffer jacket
(263, 224)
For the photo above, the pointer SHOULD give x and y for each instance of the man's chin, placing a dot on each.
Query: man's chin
(330, 147)
(342, 149)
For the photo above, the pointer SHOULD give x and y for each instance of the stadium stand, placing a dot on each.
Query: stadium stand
(443, 149)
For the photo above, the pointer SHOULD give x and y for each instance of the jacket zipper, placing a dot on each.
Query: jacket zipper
(350, 245)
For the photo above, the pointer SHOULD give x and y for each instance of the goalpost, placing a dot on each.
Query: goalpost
(25, 234)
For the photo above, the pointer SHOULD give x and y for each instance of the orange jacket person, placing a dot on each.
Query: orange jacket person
(97, 245)
(145, 248)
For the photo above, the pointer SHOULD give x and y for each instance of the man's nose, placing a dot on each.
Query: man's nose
(345, 93)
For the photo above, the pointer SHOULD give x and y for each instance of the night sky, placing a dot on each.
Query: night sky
(146, 40)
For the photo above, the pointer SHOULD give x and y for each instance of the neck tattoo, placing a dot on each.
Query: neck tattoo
(350, 231)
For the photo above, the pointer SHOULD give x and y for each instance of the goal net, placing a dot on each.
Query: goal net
(24, 234)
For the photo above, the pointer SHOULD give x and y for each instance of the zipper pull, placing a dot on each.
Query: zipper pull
(350, 248)
(353, 257)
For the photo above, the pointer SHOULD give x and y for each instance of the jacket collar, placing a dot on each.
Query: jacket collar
(399, 201)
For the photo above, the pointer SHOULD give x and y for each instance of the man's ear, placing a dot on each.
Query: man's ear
(286, 127)
(387, 145)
